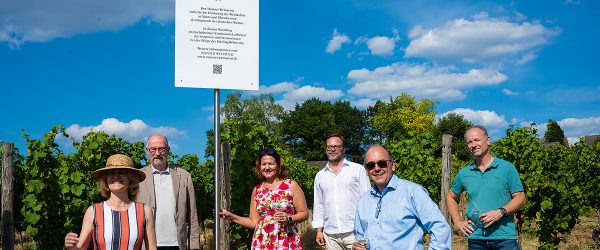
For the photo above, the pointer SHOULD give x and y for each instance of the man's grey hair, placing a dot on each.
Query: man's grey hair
(479, 127)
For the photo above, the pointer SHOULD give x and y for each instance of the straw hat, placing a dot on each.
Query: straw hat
(119, 161)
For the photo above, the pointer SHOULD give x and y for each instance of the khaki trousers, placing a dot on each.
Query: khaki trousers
(341, 241)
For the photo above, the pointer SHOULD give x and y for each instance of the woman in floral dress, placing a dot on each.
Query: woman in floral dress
(277, 206)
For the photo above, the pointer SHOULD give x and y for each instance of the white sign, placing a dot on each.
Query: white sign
(216, 44)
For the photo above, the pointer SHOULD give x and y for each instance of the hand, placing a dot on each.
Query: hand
(280, 216)
(226, 214)
(320, 238)
(71, 240)
(465, 227)
(490, 217)
(358, 246)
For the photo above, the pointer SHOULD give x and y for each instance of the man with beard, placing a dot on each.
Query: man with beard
(169, 190)
(495, 193)
(337, 188)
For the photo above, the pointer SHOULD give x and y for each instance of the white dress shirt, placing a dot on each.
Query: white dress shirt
(336, 197)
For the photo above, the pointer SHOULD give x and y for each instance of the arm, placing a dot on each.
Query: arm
(299, 202)
(247, 222)
(464, 226)
(358, 232)
(150, 235)
(431, 218)
(517, 202)
(86, 230)
(194, 236)
(318, 210)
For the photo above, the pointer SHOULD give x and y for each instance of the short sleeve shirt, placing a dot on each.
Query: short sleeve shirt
(488, 191)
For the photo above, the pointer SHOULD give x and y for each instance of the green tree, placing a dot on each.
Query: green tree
(455, 125)
(554, 133)
(551, 176)
(395, 119)
(58, 187)
(259, 108)
(308, 125)
(416, 160)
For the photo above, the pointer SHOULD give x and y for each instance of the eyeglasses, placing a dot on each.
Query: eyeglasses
(160, 149)
(380, 163)
(334, 147)
(271, 152)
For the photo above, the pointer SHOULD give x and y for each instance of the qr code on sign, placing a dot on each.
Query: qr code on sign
(217, 69)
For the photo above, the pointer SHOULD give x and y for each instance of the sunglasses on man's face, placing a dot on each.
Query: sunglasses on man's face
(380, 163)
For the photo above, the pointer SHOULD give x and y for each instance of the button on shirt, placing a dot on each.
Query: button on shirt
(405, 213)
(336, 197)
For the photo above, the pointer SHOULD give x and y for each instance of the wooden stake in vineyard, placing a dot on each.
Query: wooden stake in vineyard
(225, 201)
(446, 173)
(8, 230)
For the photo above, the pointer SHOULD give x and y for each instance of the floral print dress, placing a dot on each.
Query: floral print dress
(270, 234)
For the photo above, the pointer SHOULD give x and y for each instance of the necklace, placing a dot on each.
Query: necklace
(122, 205)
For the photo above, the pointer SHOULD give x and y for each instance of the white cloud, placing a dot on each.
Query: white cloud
(134, 130)
(336, 42)
(39, 21)
(438, 83)
(494, 123)
(292, 93)
(509, 92)
(363, 103)
(306, 92)
(578, 127)
(574, 128)
(478, 40)
(279, 87)
(529, 56)
(382, 45)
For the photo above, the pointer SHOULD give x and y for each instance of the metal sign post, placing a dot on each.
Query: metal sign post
(217, 165)
(216, 46)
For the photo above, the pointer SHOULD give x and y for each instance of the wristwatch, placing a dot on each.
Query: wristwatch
(289, 220)
(503, 211)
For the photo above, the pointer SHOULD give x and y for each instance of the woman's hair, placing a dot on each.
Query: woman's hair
(282, 173)
(132, 191)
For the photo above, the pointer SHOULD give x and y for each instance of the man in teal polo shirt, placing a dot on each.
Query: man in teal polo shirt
(495, 193)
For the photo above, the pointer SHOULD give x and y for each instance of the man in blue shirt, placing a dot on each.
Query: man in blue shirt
(495, 193)
(395, 213)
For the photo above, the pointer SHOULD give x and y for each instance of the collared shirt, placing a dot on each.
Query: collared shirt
(165, 208)
(336, 196)
(397, 217)
(489, 190)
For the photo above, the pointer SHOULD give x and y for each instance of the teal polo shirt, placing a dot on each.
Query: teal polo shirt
(488, 191)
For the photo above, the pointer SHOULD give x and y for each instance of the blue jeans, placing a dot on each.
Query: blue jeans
(493, 245)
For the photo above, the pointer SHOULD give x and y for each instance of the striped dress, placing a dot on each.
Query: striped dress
(118, 230)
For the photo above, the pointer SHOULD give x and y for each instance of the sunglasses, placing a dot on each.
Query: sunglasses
(380, 163)
(271, 152)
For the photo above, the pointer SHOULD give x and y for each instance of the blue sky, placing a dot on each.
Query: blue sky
(109, 65)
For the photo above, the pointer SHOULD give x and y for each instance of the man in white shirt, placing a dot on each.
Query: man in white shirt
(337, 189)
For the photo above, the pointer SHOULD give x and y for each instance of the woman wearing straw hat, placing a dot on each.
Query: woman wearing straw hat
(118, 222)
